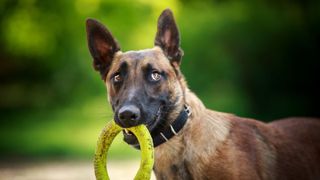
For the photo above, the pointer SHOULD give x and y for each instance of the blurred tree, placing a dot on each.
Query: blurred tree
(263, 55)
(245, 57)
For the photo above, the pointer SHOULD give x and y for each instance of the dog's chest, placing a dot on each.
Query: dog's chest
(171, 166)
(172, 162)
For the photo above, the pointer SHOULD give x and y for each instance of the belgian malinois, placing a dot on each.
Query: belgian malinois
(192, 142)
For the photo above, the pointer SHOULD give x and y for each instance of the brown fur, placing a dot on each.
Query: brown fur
(216, 145)
(212, 145)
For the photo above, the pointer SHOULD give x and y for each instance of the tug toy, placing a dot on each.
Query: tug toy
(107, 136)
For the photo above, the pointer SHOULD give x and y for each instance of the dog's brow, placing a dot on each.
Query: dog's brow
(122, 68)
(148, 67)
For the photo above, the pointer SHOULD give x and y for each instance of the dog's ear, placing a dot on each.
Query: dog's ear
(102, 46)
(168, 37)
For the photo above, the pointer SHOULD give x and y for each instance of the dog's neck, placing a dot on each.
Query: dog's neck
(184, 147)
(189, 99)
(196, 105)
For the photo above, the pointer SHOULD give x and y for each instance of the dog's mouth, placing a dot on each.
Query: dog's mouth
(131, 139)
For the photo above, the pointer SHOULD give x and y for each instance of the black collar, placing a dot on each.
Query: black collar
(172, 130)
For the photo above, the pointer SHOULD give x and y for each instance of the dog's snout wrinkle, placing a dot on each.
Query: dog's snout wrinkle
(131, 94)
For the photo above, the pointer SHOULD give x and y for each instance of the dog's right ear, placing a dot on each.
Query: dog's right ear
(102, 46)
(168, 38)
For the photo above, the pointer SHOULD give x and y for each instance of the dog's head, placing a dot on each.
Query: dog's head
(144, 87)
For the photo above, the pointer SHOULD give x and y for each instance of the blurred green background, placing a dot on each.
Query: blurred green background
(254, 58)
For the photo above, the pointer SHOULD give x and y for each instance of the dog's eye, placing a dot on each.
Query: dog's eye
(155, 76)
(117, 77)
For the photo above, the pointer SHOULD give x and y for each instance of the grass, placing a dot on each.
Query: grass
(68, 132)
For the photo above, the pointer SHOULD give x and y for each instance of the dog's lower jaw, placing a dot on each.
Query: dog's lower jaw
(130, 139)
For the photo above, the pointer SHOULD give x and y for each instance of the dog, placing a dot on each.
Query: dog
(191, 141)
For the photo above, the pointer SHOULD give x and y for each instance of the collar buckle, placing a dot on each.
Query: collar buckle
(187, 109)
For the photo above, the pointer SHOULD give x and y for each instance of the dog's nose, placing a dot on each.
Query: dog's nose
(129, 115)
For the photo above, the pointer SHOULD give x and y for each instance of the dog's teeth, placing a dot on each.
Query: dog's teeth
(127, 132)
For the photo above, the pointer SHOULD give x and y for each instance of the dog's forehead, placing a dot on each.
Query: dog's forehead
(142, 57)
(140, 54)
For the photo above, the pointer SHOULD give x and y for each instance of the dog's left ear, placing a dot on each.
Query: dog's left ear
(168, 37)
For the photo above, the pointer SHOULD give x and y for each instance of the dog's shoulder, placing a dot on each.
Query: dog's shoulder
(243, 149)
